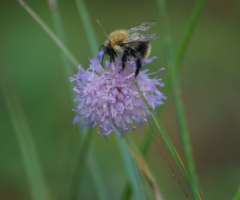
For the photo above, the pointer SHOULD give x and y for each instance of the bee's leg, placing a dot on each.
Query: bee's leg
(102, 60)
(138, 65)
(124, 59)
(112, 58)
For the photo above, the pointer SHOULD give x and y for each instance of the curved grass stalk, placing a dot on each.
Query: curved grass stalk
(79, 167)
(34, 173)
(180, 53)
(92, 39)
(74, 62)
(182, 125)
(131, 170)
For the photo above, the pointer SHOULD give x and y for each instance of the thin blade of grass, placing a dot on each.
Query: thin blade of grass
(77, 177)
(180, 53)
(74, 62)
(144, 168)
(165, 136)
(92, 39)
(59, 30)
(95, 175)
(185, 40)
(182, 125)
(131, 170)
(67, 54)
(37, 184)
(144, 147)
(237, 195)
(127, 191)
(79, 166)
(189, 32)
(68, 72)
(86, 158)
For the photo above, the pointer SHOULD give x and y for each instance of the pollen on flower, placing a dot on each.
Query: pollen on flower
(108, 98)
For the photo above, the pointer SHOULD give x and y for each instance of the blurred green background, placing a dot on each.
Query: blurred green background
(209, 79)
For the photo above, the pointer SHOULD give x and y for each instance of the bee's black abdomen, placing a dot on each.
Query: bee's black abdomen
(142, 49)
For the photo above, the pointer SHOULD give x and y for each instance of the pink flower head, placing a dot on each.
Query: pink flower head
(109, 99)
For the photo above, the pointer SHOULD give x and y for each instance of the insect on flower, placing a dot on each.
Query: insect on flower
(129, 43)
(110, 101)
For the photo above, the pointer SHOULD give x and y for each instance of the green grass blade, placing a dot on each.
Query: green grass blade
(59, 30)
(237, 195)
(189, 32)
(180, 53)
(92, 39)
(182, 125)
(131, 169)
(127, 191)
(165, 136)
(74, 62)
(68, 72)
(58, 27)
(171, 147)
(96, 179)
(99, 185)
(86, 158)
(146, 142)
(144, 168)
(137, 156)
(79, 166)
(186, 39)
(37, 184)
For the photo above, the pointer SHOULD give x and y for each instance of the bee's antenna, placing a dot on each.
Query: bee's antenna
(104, 32)
(110, 42)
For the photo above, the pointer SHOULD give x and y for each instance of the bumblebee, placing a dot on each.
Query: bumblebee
(130, 44)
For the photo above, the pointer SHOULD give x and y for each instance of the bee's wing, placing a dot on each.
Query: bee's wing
(140, 38)
(142, 27)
